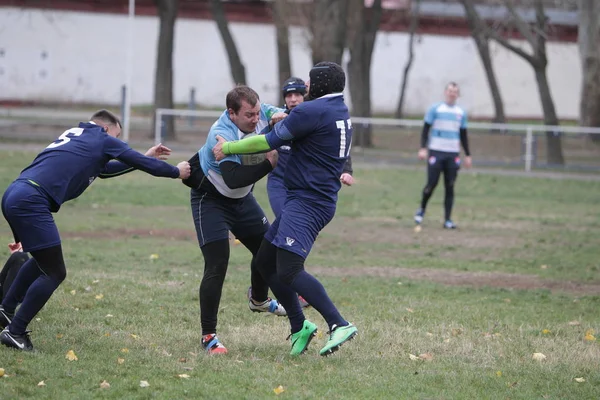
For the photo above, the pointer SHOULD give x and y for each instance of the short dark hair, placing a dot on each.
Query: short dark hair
(452, 84)
(238, 94)
(107, 117)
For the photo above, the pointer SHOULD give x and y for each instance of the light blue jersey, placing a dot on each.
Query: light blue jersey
(446, 122)
(225, 128)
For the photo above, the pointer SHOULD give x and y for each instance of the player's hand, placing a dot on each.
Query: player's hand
(14, 247)
(273, 157)
(218, 149)
(468, 162)
(347, 179)
(278, 117)
(159, 151)
(184, 170)
(422, 154)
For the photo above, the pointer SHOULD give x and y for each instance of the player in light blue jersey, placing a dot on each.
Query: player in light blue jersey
(444, 130)
(222, 202)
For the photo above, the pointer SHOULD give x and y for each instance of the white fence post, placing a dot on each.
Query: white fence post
(528, 149)
(158, 126)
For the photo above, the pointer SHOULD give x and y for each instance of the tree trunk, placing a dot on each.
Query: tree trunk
(365, 23)
(328, 30)
(238, 71)
(163, 82)
(554, 154)
(283, 40)
(483, 48)
(589, 50)
(414, 23)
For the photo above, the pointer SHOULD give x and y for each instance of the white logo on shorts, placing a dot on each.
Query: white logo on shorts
(289, 241)
(264, 220)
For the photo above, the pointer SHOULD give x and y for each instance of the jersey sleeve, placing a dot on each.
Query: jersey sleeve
(298, 124)
(463, 122)
(430, 115)
(268, 110)
(114, 147)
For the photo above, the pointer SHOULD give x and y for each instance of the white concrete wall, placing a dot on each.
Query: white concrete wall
(78, 57)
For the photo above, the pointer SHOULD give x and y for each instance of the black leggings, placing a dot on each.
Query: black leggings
(9, 271)
(441, 162)
(216, 260)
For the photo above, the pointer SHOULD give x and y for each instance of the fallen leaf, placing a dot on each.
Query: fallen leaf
(120, 360)
(182, 360)
(184, 376)
(429, 334)
(413, 357)
(544, 266)
(546, 332)
(71, 356)
(109, 315)
(104, 385)
(507, 300)
(73, 292)
(426, 357)
(166, 353)
(410, 310)
(133, 335)
(88, 289)
(538, 357)
(38, 319)
(498, 374)
(418, 229)
(107, 334)
(96, 281)
(574, 323)
(154, 256)
(144, 384)
(589, 335)
(59, 335)
(41, 384)
(279, 389)
(580, 380)
(125, 351)
(456, 331)
(99, 296)
(1, 372)
(399, 283)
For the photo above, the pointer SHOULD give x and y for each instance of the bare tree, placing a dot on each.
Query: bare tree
(589, 50)
(163, 82)
(536, 35)
(328, 30)
(282, 35)
(412, 30)
(238, 71)
(364, 23)
(481, 38)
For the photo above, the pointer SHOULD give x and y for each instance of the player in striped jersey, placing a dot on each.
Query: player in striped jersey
(444, 130)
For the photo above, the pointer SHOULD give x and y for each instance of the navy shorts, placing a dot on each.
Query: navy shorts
(27, 210)
(215, 217)
(297, 228)
(277, 192)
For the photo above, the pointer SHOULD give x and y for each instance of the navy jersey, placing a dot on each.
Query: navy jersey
(320, 132)
(71, 163)
(284, 155)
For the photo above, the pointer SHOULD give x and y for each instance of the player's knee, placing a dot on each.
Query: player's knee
(58, 275)
(287, 275)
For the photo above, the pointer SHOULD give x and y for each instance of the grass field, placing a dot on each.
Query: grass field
(441, 315)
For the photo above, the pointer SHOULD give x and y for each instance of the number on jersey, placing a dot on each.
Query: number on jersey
(64, 138)
(341, 125)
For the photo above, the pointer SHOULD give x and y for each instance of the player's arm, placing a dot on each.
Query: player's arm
(237, 176)
(116, 149)
(464, 141)
(116, 168)
(427, 122)
(299, 121)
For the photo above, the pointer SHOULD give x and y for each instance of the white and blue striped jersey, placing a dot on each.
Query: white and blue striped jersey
(225, 128)
(446, 122)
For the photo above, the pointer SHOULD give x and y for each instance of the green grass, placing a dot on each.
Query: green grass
(480, 334)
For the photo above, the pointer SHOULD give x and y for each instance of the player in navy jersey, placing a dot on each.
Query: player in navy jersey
(293, 91)
(60, 173)
(222, 202)
(444, 130)
(320, 134)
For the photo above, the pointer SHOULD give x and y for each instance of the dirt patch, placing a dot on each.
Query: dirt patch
(461, 278)
(175, 234)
